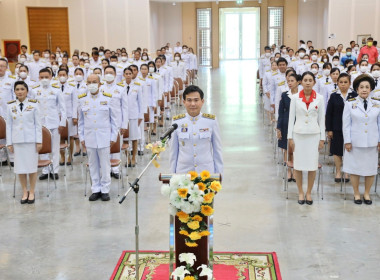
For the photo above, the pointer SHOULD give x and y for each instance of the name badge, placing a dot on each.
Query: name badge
(103, 103)
(184, 129)
(203, 129)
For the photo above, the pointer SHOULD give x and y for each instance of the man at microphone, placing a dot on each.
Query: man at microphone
(195, 144)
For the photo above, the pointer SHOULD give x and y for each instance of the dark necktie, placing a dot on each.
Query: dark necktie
(77, 85)
(128, 90)
(327, 80)
(21, 105)
(158, 70)
(375, 82)
(63, 87)
(335, 85)
(365, 104)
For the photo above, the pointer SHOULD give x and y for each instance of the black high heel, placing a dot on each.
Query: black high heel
(31, 201)
(24, 201)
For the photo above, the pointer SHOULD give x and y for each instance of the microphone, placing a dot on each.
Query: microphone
(169, 132)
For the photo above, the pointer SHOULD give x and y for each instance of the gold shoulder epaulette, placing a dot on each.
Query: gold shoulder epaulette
(375, 98)
(150, 77)
(320, 76)
(354, 72)
(72, 85)
(136, 83)
(32, 100)
(13, 101)
(141, 78)
(352, 99)
(82, 95)
(107, 94)
(178, 117)
(55, 86)
(208, 116)
(121, 84)
(11, 76)
(274, 74)
(36, 86)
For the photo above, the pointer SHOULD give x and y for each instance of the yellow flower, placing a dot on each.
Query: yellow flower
(193, 225)
(216, 186)
(195, 235)
(182, 192)
(193, 175)
(189, 278)
(191, 244)
(197, 218)
(183, 217)
(201, 186)
(208, 197)
(204, 233)
(205, 175)
(184, 232)
(206, 210)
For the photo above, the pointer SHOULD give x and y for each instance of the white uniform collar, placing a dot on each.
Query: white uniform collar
(194, 118)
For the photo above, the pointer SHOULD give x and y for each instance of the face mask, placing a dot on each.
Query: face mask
(113, 63)
(62, 79)
(306, 60)
(57, 54)
(46, 55)
(45, 82)
(349, 65)
(325, 60)
(93, 88)
(23, 75)
(101, 53)
(356, 48)
(87, 65)
(314, 71)
(55, 67)
(59, 60)
(267, 55)
(335, 63)
(370, 44)
(326, 72)
(376, 73)
(302, 55)
(16, 71)
(22, 59)
(145, 57)
(109, 77)
(176, 58)
(348, 53)
(85, 57)
(284, 51)
(276, 59)
(100, 76)
(314, 57)
(124, 58)
(78, 78)
(363, 69)
(185, 50)
(151, 69)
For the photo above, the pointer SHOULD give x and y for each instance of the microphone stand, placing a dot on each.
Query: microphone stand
(136, 188)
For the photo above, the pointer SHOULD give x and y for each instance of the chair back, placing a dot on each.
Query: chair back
(3, 128)
(173, 92)
(146, 116)
(180, 83)
(46, 141)
(126, 133)
(116, 148)
(65, 132)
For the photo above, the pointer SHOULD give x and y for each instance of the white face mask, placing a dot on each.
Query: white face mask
(22, 59)
(23, 75)
(326, 72)
(16, 71)
(176, 58)
(268, 54)
(79, 78)
(87, 65)
(93, 88)
(306, 60)
(376, 73)
(302, 54)
(284, 51)
(185, 50)
(101, 53)
(325, 60)
(314, 57)
(113, 63)
(356, 48)
(276, 59)
(314, 71)
(46, 55)
(145, 57)
(59, 59)
(151, 69)
(45, 82)
(55, 67)
(363, 69)
(124, 58)
(62, 79)
(335, 63)
(109, 77)
(85, 57)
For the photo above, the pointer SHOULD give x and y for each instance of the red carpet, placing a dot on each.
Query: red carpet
(154, 265)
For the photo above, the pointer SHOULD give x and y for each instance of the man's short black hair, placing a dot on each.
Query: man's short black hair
(64, 70)
(45, 70)
(108, 67)
(191, 89)
(281, 59)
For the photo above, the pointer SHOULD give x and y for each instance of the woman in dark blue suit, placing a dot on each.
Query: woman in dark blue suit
(334, 126)
(283, 119)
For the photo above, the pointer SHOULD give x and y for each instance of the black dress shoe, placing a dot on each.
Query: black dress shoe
(31, 201)
(56, 177)
(358, 201)
(78, 153)
(95, 196)
(105, 197)
(153, 133)
(84, 154)
(24, 201)
(61, 163)
(116, 175)
(4, 163)
(347, 180)
(338, 180)
(43, 176)
(309, 202)
(68, 163)
(140, 153)
(294, 180)
(12, 164)
(367, 201)
(290, 180)
(302, 202)
(167, 118)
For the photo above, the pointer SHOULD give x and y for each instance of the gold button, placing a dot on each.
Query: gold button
(193, 122)
(365, 123)
(94, 121)
(366, 116)
(306, 122)
(195, 155)
(94, 113)
(96, 129)
(194, 134)
(195, 165)
(195, 145)
(365, 131)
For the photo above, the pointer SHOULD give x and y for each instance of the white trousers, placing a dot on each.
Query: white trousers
(141, 146)
(55, 144)
(115, 169)
(100, 167)
(3, 155)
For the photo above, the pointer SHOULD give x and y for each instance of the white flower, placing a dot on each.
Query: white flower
(187, 183)
(165, 190)
(187, 207)
(180, 272)
(189, 258)
(175, 180)
(205, 271)
(175, 200)
(196, 195)
(172, 210)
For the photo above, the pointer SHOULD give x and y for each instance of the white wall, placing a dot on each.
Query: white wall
(112, 23)
(166, 24)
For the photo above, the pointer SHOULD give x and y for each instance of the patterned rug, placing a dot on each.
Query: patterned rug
(154, 265)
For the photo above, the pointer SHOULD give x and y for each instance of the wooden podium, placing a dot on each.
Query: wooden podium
(205, 249)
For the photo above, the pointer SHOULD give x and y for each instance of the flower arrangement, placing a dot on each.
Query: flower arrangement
(191, 197)
(180, 273)
(156, 148)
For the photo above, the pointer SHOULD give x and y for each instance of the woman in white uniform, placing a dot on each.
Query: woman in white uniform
(266, 89)
(361, 130)
(24, 138)
(306, 133)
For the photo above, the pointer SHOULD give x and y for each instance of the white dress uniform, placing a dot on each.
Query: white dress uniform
(24, 130)
(97, 128)
(277, 80)
(34, 69)
(135, 108)
(361, 128)
(120, 70)
(280, 89)
(151, 95)
(196, 144)
(376, 92)
(53, 115)
(177, 49)
(179, 70)
(137, 63)
(186, 57)
(68, 93)
(160, 89)
(306, 128)
(267, 88)
(264, 66)
(168, 58)
(96, 64)
(355, 74)
(327, 89)
(72, 70)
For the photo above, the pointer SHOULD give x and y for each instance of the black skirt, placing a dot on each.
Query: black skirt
(337, 143)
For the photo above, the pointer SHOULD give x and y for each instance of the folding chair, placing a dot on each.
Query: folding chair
(66, 145)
